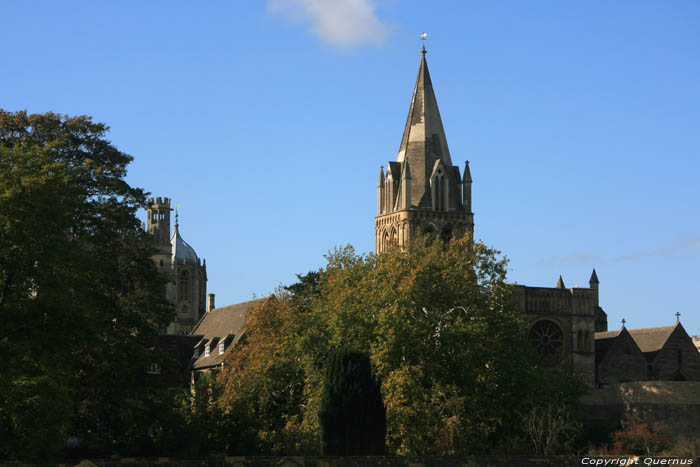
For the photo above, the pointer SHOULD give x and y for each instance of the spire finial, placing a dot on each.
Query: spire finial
(623, 322)
(593, 279)
(678, 317)
(176, 214)
(560, 283)
(423, 37)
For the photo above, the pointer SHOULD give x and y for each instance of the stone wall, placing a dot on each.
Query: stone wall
(623, 362)
(675, 403)
(678, 353)
(420, 461)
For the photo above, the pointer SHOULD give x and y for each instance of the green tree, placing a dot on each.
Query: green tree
(79, 293)
(352, 415)
(458, 374)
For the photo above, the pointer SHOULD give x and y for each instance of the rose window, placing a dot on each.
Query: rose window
(548, 340)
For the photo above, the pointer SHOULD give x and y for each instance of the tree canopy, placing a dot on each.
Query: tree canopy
(458, 375)
(79, 293)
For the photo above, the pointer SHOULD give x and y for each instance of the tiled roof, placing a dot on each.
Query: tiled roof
(226, 322)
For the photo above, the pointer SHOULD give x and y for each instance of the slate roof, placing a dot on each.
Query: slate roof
(227, 322)
(607, 334)
(652, 339)
(649, 340)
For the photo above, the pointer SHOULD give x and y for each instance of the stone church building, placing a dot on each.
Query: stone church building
(177, 261)
(423, 192)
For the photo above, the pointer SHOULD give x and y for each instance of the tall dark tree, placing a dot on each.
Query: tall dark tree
(352, 418)
(79, 293)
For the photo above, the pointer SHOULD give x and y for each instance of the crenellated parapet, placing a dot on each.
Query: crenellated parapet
(549, 300)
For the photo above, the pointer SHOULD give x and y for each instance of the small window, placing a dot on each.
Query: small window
(154, 369)
(206, 351)
(221, 348)
(196, 352)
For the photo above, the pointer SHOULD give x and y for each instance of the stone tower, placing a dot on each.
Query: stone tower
(159, 227)
(422, 192)
(177, 261)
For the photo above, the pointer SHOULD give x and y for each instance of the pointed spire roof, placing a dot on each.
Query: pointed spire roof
(560, 283)
(423, 142)
(381, 176)
(424, 131)
(594, 278)
(467, 173)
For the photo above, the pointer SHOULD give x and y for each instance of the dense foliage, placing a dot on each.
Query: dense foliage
(458, 375)
(352, 417)
(80, 298)
(79, 294)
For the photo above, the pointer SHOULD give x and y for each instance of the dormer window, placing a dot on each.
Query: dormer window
(206, 351)
(196, 352)
(221, 348)
(154, 369)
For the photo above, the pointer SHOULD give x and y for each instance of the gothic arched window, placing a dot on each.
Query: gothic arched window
(184, 284)
(446, 234)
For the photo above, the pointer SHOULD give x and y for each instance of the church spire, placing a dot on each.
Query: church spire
(423, 192)
(423, 142)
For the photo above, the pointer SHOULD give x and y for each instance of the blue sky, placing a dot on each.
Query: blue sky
(268, 121)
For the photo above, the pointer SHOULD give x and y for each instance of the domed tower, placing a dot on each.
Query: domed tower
(188, 284)
(422, 192)
(177, 261)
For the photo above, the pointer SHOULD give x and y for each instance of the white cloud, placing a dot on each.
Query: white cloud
(343, 23)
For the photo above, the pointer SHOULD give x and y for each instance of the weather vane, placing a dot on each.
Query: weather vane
(423, 36)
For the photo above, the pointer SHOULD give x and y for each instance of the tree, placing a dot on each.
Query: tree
(352, 415)
(458, 374)
(79, 293)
